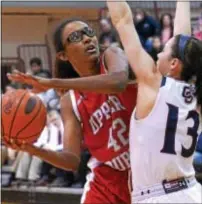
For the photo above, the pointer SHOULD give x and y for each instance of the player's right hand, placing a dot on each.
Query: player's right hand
(35, 82)
(19, 146)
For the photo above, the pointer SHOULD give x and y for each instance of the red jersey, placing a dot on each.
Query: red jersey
(105, 120)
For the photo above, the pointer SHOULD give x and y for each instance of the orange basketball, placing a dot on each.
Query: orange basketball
(23, 116)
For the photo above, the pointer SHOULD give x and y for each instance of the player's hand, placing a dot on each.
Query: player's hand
(18, 146)
(35, 82)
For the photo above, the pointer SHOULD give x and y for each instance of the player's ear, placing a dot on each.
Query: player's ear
(175, 66)
(62, 56)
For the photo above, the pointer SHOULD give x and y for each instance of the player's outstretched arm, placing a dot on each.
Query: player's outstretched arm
(182, 22)
(114, 81)
(142, 64)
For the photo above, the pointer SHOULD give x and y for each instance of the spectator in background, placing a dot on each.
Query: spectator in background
(104, 13)
(50, 98)
(156, 47)
(108, 34)
(146, 27)
(198, 30)
(29, 167)
(106, 42)
(36, 68)
(10, 158)
(166, 27)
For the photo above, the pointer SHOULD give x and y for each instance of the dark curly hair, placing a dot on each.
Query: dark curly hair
(35, 60)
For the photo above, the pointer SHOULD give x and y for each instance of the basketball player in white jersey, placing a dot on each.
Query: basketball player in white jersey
(166, 122)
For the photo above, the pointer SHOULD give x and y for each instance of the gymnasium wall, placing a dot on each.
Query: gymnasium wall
(27, 25)
(17, 30)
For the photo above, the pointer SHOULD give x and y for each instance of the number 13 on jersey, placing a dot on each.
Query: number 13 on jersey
(171, 128)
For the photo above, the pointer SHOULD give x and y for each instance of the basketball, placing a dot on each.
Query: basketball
(23, 116)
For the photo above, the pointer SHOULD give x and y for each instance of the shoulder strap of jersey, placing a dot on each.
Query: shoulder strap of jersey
(75, 104)
(163, 81)
(103, 69)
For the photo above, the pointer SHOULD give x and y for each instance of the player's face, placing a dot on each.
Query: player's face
(165, 59)
(35, 68)
(80, 42)
(167, 20)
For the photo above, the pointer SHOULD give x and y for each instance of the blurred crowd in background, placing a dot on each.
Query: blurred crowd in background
(27, 169)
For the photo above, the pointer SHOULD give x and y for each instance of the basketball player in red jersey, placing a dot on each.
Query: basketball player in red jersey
(101, 119)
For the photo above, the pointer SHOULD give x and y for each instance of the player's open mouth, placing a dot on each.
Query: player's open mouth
(91, 49)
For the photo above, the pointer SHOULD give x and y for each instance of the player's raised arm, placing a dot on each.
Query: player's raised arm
(142, 64)
(182, 22)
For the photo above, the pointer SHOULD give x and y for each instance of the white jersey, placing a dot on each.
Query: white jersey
(163, 143)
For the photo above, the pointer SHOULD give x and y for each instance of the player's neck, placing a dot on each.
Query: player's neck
(175, 75)
(86, 68)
